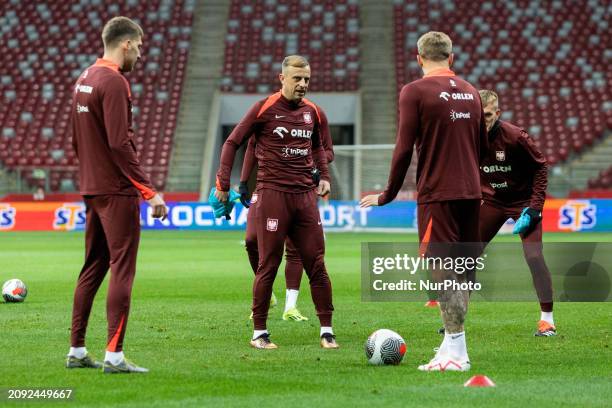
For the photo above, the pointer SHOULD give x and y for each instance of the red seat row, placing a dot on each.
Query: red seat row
(261, 33)
(50, 45)
(549, 70)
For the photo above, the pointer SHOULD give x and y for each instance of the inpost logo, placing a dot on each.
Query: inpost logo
(577, 215)
(69, 217)
(7, 217)
(459, 115)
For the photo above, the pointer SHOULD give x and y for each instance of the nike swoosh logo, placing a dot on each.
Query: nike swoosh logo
(456, 337)
(278, 117)
(319, 222)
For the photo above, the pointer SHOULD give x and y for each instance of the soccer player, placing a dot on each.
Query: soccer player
(287, 128)
(514, 177)
(442, 114)
(111, 181)
(293, 262)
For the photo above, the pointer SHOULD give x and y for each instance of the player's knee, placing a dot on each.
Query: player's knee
(265, 276)
(268, 268)
(292, 256)
(533, 256)
(318, 273)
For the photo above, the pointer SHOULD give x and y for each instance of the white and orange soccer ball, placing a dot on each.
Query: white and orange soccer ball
(14, 291)
(385, 347)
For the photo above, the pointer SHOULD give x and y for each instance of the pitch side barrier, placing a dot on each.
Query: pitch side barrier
(559, 215)
(401, 271)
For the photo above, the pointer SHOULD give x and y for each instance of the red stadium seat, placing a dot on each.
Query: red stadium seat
(526, 59)
(28, 146)
(55, 113)
(247, 43)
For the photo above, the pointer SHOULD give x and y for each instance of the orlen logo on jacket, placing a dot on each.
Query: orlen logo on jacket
(69, 217)
(7, 217)
(280, 131)
(577, 215)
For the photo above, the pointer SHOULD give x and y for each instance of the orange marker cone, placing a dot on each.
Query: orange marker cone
(479, 381)
(432, 303)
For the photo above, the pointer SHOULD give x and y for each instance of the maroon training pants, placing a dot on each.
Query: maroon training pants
(112, 234)
(293, 262)
(280, 215)
(492, 218)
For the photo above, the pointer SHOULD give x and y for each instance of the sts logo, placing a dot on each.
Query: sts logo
(7, 217)
(577, 215)
(69, 217)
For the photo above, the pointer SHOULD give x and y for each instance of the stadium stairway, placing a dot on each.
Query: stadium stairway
(575, 173)
(377, 76)
(377, 81)
(203, 77)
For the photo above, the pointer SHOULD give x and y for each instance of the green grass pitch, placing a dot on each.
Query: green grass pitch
(189, 325)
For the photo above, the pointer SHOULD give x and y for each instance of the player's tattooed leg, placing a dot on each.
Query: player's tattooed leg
(453, 303)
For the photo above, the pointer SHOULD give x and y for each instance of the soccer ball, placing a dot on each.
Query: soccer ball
(385, 347)
(14, 291)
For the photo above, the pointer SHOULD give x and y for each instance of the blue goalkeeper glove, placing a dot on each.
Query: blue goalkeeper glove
(223, 209)
(527, 221)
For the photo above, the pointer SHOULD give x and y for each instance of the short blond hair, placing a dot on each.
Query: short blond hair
(118, 29)
(297, 61)
(489, 97)
(435, 46)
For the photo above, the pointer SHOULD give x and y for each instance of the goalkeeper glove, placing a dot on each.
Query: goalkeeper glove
(243, 189)
(316, 176)
(527, 221)
(223, 209)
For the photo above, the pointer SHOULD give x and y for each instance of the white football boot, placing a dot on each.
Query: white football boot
(443, 361)
(446, 363)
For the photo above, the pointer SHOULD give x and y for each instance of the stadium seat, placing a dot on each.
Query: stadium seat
(603, 180)
(328, 36)
(36, 82)
(550, 74)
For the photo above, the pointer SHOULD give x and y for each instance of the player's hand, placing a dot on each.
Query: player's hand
(527, 222)
(222, 195)
(316, 176)
(369, 201)
(159, 207)
(323, 188)
(535, 218)
(243, 189)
